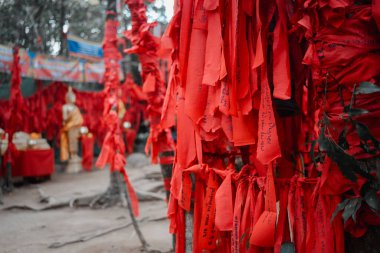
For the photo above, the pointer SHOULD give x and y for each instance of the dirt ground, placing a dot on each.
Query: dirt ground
(28, 231)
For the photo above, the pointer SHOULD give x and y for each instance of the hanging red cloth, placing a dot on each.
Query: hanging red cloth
(145, 45)
(16, 100)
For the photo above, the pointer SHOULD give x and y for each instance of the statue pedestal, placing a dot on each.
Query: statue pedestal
(74, 165)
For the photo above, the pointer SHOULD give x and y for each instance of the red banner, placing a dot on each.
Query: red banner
(57, 69)
(6, 59)
(93, 72)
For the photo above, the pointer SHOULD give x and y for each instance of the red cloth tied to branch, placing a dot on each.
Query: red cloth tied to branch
(15, 113)
(345, 57)
(145, 45)
(42, 111)
(113, 153)
(343, 49)
(16, 101)
(303, 214)
(239, 91)
(113, 148)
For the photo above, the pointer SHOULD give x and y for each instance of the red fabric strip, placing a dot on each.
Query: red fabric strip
(246, 221)
(214, 44)
(207, 235)
(263, 232)
(131, 193)
(184, 38)
(281, 62)
(258, 210)
(195, 92)
(224, 205)
(268, 147)
(199, 193)
(241, 193)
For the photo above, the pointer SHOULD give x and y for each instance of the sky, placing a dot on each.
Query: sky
(169, 8)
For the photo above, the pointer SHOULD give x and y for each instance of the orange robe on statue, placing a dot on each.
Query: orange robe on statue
(70, 134)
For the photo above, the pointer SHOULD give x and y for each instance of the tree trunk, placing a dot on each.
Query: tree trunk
(117, 184)
(189, 232)
(111, 10)
(63, 47)
(112, 195)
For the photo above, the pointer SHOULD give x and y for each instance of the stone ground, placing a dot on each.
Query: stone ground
(28, 231)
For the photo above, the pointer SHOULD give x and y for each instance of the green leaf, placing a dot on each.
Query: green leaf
(363, 131)
(356, 112)
(372, 200)
(358, 205)
(312, 155)
(352, 112)
(287, 247)
(247, 245)
(342, 140)
(242, 236)
(346, 163)
(323, 141)
(338, 208)
(365, 137)
(367, 88)
(364, 173)
(367, 148)
(351, 208)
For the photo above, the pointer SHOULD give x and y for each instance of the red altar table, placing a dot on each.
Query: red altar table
(33, 163)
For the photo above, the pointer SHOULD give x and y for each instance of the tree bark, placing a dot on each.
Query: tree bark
(117, 183)
(189, 232)
(63, 47)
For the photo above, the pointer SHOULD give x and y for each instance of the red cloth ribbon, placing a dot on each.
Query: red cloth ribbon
(87, 152)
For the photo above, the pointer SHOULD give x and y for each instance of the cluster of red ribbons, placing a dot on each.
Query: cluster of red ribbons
(145, 45)
(342, 54)
(42, 112)
(135, 102)
(344, 46)
(14, 109)
(16, 100)
(113, 148)
(238, 212)
(245, 82)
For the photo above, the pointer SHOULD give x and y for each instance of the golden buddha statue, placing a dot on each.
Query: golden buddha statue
(70, 133)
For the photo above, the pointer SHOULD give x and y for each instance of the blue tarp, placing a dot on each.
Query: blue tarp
(79, 47)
